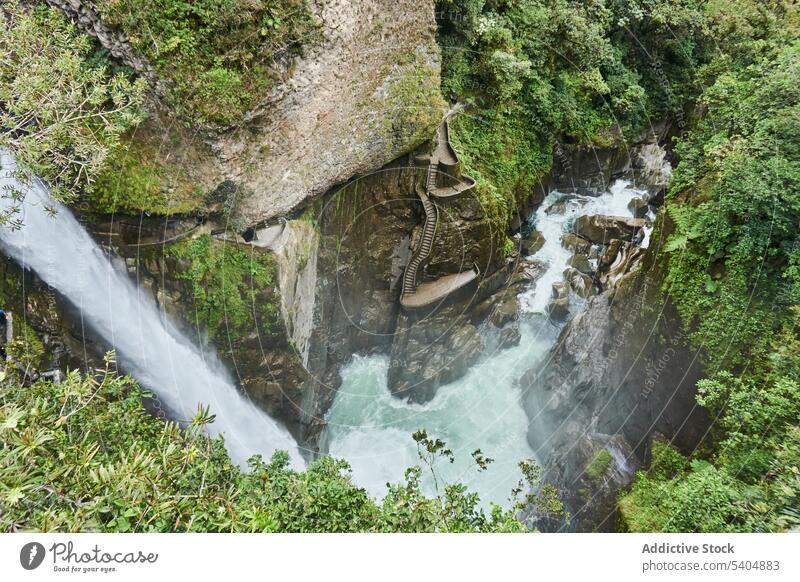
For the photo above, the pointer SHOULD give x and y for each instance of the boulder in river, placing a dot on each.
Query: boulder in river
(600, 228)
(576, 244)
(426, 356)
(579, 282)
(505, 311)
(559, 306)
(638, 206)
(532, 243)
(580, 262)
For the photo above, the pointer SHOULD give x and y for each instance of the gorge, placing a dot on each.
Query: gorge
(451, 265)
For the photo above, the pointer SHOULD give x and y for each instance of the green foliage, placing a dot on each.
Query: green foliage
(732, 272)
(84, 455)
(752, 482)
(752, 414)
(232, 287)
(536, 71)
(736, 206)
(504, 157)
(219, 55)
(63, 109)
(599, 464)
(704, 499)
(26, 349)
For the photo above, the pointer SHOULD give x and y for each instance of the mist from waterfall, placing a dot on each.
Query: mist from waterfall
(372, 429)
(148, 346)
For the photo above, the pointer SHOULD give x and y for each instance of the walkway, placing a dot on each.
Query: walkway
(434, 291)
(442, 162)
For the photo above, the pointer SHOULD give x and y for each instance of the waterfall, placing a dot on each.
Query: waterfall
(148, 346)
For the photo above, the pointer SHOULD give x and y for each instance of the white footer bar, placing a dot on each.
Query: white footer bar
(412, 557)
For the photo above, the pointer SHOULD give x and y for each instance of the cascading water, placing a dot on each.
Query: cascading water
(553, 224)
(63, 255)
(372, 430)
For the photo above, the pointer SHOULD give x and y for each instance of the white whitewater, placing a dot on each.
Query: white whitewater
(372, 430)
(148, 346)
(613, 202)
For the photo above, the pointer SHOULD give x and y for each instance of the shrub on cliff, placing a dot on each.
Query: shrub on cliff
(220, 56)
(233, 288)
(62, 108)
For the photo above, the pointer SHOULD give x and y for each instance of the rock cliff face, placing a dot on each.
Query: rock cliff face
(40, 311)
(622, 371)
(363, 96)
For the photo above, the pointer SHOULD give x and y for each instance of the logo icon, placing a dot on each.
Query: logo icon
(31, 555)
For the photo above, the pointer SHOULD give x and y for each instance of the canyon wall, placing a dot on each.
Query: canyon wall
(622, 371)
(365, 94)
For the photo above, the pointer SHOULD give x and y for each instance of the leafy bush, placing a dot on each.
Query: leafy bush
(84, 455)
(232, 287)
(219, 55)
(63, 110)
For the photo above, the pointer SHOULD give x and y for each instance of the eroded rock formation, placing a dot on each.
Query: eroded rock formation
(363, 96)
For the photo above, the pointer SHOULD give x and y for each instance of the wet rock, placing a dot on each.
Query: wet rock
(510, 336)
(427, 355)
(638, 206)
(527, 272)
(600, 228)
(459, 242)
(563, 205)
(651, 166)
(587, 169)
(559, 306)
(532, 243)
(505, 311)
(579, 282)
(620, 372)
(557, 208)
(598, 465)
(610, 255)
(580, 262)
(575, 243)
(620, 258)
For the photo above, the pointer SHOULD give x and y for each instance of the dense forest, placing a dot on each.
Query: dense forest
(86, 454)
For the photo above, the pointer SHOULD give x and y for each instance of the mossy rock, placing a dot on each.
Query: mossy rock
(233, 287)
(600, 463)
(146, 176)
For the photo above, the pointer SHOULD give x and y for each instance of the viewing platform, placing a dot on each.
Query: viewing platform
(432, 292)
(442, 181)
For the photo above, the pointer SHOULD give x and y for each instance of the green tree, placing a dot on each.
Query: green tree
(85, 455)
(62, 111)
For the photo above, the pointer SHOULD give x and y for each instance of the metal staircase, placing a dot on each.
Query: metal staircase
(423, 250)
(443, 157)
